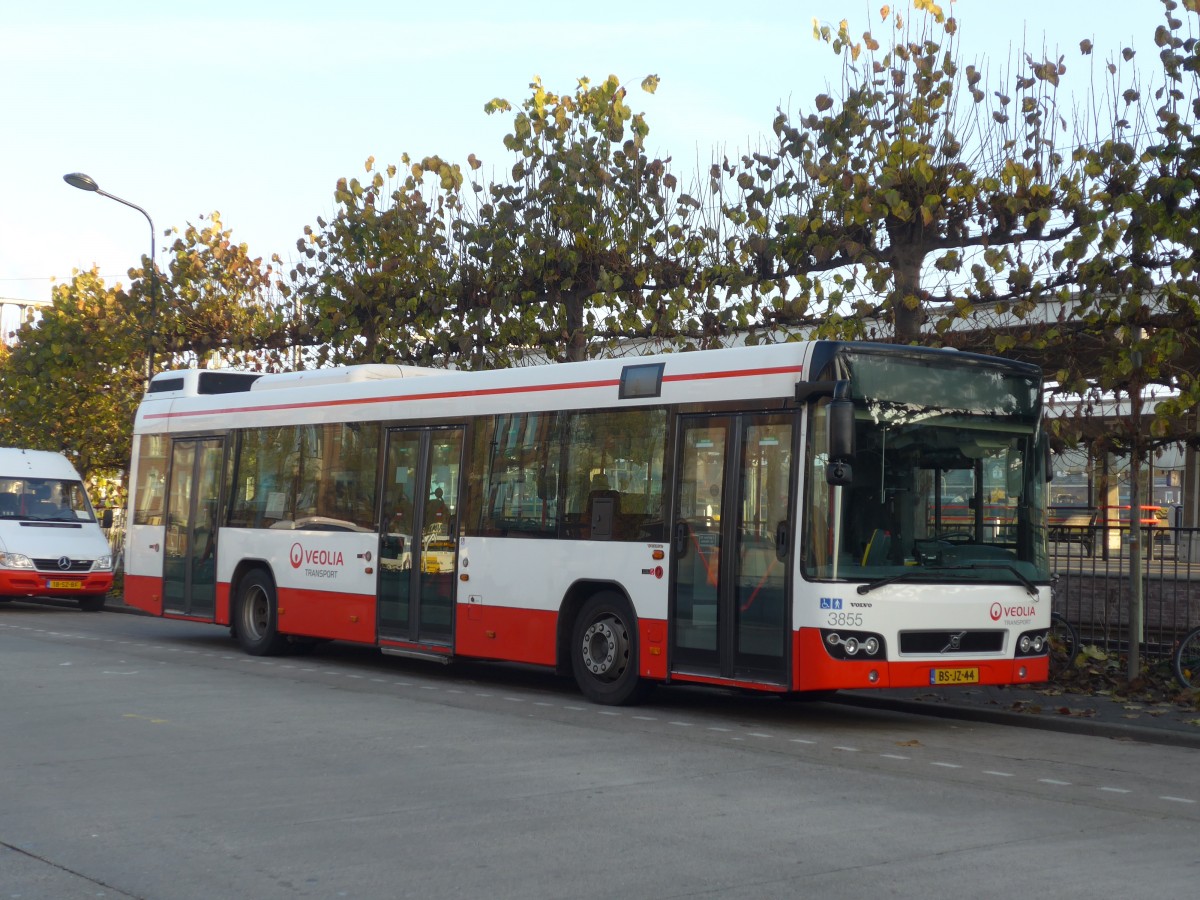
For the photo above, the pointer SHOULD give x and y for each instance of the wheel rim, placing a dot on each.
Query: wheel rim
(1189, 666)
(256, 612)
(605, 648)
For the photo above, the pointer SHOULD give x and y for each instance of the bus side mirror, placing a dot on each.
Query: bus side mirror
(840, 427)
(840, 415)
(839, 474)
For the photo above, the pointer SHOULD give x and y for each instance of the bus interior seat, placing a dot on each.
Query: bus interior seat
(878, 548)
(10, 505)
(603, 509)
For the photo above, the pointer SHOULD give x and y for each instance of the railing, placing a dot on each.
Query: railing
(1092, 564)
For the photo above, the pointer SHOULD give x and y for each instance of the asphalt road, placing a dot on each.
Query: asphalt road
(152, 759)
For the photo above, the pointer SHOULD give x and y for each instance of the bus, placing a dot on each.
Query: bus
(789, 518)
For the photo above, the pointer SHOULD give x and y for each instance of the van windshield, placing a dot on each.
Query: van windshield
(44, 500)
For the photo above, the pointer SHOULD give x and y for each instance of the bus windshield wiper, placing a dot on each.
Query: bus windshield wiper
(1029, 585)
(909, 573)
(891, 579)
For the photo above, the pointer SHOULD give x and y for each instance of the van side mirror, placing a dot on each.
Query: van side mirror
(106, 517)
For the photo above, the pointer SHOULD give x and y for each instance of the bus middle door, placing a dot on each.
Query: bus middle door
(190, 546)
(418, 552)
(731, 581)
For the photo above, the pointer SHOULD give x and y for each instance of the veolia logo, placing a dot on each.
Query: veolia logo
(1012, 612)
(299, 556)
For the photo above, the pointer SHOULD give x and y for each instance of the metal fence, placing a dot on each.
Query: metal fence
(1092, 565)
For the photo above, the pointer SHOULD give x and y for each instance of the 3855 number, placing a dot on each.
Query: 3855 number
(845, 620)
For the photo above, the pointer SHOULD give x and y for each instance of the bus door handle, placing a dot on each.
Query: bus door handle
(782, 536)
(681, 539)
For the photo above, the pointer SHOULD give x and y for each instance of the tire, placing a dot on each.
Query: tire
(1063, 645)
(94, 603)
(256, 615)
(1186, 660)
(604, 652)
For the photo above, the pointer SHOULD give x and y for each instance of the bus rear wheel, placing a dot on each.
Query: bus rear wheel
(604, 652)
(255, 618)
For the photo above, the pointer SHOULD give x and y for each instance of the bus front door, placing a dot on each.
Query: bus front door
(418, 551)
(190, 548)
(732, 547)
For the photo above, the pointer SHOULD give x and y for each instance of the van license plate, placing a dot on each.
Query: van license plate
(65, 585)
(953, 676)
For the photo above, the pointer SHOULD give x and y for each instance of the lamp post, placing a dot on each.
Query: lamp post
(87, 183)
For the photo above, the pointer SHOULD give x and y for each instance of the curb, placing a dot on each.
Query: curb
(1064, 724)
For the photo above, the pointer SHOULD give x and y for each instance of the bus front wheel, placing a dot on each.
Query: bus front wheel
(256, 616)
(604, 652)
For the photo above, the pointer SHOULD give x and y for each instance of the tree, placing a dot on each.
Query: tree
(1138, 308)
(914, 172)
(216, 303)
(585, 245)
(73, 379)
(375, 281)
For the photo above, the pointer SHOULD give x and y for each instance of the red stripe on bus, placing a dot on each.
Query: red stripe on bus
(506, 633)
(739, 373)
(144, 592)
(815, 670)
(445, 395)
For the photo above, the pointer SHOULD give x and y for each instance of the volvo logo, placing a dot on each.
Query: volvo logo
(955, 643)
(64, 562)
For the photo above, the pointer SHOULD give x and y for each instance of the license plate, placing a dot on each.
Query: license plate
(954, 676)
(65, 585)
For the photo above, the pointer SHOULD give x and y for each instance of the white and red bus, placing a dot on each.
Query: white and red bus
(789, 518)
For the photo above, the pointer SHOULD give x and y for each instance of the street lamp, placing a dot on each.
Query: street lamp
(87, 183)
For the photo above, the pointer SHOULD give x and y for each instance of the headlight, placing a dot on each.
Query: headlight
(102, 564)
(15, 561)
(1025, 643)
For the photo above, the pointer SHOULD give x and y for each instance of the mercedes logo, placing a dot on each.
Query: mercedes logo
(64, 562)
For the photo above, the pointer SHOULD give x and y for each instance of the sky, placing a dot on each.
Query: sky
(255, 110)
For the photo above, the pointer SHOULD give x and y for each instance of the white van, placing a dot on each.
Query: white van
(50, 542)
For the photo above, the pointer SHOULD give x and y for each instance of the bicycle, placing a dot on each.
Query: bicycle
(1186, 660)
(1063, 642)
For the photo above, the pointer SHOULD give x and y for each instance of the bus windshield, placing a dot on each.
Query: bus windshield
(948, 475)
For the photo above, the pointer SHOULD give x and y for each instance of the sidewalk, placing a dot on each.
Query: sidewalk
(1046, 707)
